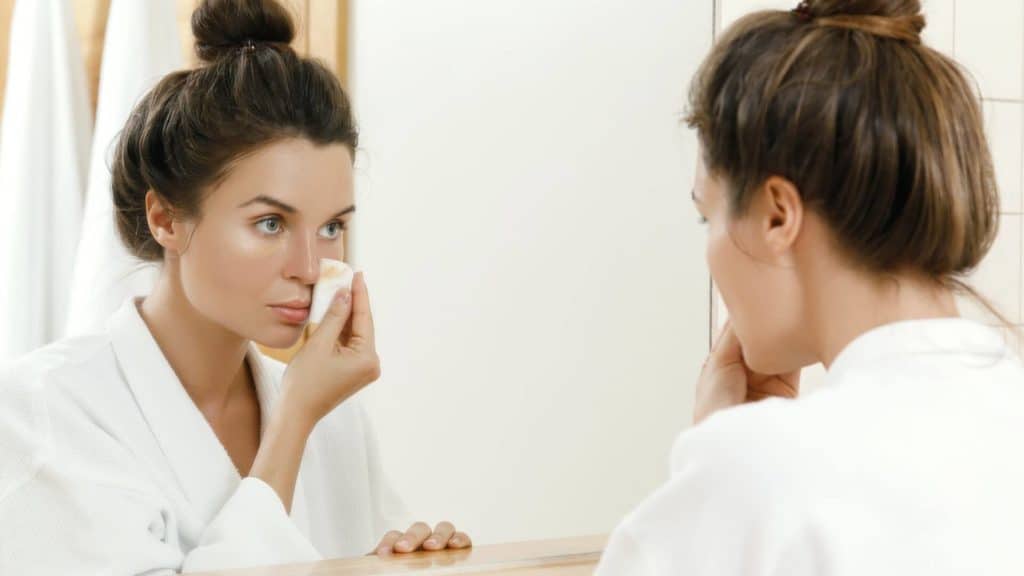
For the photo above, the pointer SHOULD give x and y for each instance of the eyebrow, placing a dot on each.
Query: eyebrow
(262, 198)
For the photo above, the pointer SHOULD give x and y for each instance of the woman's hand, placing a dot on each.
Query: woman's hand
(726, 380)
(419, 537)
(338, 360)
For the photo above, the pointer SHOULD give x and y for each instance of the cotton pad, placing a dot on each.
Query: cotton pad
(334, 275)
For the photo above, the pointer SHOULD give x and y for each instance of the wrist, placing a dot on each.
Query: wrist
(294, 410)
(292, 418)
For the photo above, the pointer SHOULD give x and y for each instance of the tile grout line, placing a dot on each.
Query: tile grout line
(1020, 196)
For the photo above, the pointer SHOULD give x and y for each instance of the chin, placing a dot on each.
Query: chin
(768, 363)
(281, 336)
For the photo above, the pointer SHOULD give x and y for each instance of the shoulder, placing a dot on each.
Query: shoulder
(743, 437)
(69, 373)
(42, 374)
(749, 453)
(739, 481)
(31, 386)
(51, 359)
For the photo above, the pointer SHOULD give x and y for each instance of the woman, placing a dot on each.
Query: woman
(169, 442)
(847, 188)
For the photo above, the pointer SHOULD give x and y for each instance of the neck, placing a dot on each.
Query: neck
(208, 359)
(847, 303)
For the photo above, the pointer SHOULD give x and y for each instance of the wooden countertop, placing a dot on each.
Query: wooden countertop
(565, 557)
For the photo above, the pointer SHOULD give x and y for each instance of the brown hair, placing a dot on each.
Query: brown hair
(881, 134)
(252, 89)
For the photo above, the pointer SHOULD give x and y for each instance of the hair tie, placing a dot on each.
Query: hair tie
(803, 11)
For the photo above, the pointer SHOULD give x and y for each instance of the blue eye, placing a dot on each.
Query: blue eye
(269, 226)
(332, 230)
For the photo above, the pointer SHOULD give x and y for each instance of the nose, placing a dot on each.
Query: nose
(303, 262)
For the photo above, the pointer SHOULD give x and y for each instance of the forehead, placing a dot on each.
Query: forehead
(296, 171)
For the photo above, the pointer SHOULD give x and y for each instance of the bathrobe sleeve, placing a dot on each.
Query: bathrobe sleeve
(65, 526)
(76, 511)
(253, 529)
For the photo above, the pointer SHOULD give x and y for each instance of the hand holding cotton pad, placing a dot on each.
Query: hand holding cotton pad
(334, 275)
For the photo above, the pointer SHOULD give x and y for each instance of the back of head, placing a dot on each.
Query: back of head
(250, 90)
(882, 135)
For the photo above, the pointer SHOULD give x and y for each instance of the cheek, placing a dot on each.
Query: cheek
(741, 285)
(228, 270)
(764, 307)
(725, 267)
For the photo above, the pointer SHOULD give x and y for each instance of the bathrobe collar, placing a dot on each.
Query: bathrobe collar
(914, 340)
(204, 470)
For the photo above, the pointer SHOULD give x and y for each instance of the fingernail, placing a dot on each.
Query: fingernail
(430, 542)
(456, 540)
(401, 545)
(343, 296)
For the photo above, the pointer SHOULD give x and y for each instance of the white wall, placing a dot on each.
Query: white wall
(533, 256)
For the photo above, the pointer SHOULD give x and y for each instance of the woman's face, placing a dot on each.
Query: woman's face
(254, 253)
(750, 259)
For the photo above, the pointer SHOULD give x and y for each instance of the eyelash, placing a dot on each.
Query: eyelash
(702, 220)
(341, 225)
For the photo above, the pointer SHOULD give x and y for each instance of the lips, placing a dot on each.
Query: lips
(295, 312)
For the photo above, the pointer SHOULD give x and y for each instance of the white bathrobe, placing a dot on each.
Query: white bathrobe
(909, 460)
(108, 467)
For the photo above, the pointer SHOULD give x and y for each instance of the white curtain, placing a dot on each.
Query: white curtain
(141, 46)
(44, 152)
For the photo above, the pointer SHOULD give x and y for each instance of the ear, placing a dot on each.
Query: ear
(781, 216)
(165, 229)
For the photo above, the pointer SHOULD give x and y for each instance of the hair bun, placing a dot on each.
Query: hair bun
(221, 27)
(896, 19)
